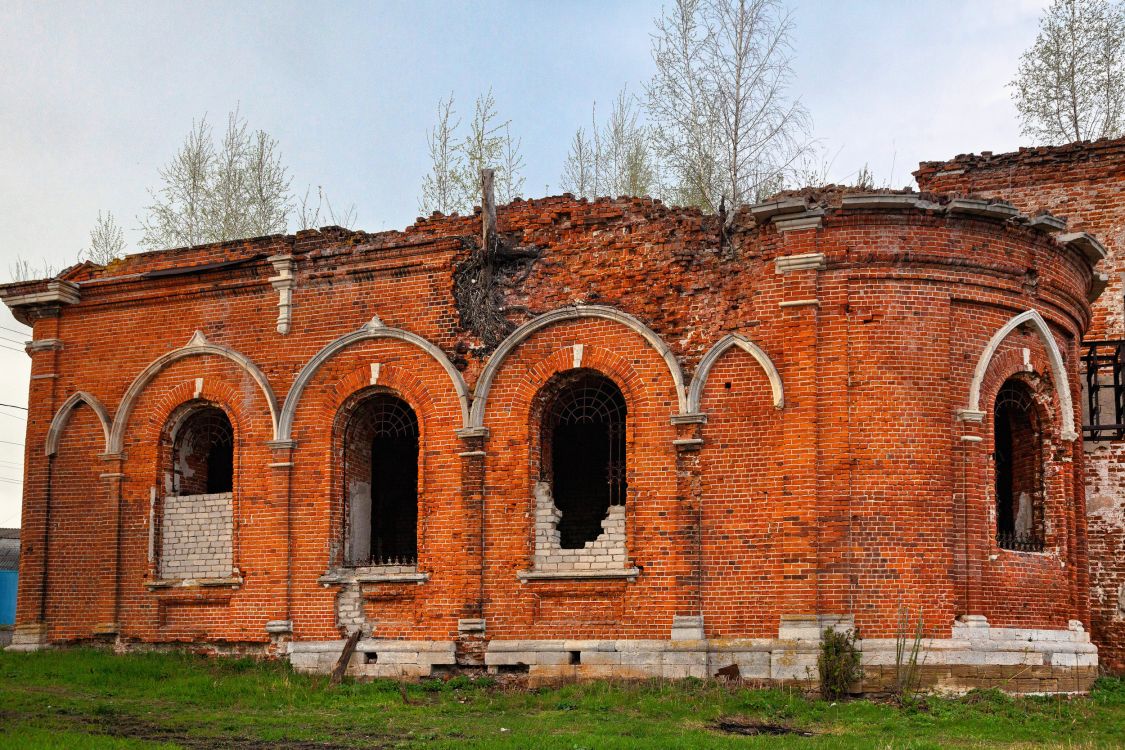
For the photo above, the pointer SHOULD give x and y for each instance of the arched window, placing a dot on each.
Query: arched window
(203, 453)
(381, 482)
(583, 454)
(1018, 456)
(193, 526)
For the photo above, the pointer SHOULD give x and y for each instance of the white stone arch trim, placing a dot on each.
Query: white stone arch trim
(62, 417)
(197, 346)
(371, 331)
(1058, 368)
(699, 382)
(572, 312)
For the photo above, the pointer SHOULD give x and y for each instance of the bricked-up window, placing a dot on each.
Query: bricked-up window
(381, 482)
(1018, 456)
(583, 443)
(193, 525)
(203, 453)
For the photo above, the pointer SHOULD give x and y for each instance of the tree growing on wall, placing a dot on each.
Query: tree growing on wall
(615, 158)
(107, 240)
(215, 192)
(453, 183)
(722, 122)
(1071, 82)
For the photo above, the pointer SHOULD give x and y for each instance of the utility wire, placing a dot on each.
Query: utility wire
(13, 330)
(13, 341)
(9, 442)
(12, 348)
(14, 406)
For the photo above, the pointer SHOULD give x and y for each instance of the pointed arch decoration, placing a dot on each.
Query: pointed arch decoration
(573, 312)
(1054, 356)
(699, 381)
(62, 417)
(197, 346)
(372, 330)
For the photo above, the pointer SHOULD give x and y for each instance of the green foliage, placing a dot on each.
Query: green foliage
(838, 663)
(83, 698)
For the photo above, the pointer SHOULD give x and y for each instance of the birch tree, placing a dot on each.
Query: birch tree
(439, 187)
(616, 160)
(453, 183)
(1071, 82)
(107, 241)
(213, 193)
(722, 121)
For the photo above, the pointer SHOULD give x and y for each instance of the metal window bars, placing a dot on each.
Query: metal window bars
(1020, 542)
(1104, 365)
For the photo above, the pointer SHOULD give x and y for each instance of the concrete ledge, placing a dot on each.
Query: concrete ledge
(1086, 244)
(888, 201)
(989, 209)
(1047, 223)
(556, 575)
(803, 262)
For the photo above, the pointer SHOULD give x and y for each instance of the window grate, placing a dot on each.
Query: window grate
(1020, 542)
(1104, 365)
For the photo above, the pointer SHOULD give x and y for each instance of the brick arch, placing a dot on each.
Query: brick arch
(521, 334)
(699, 381)
(62, 418)
(197, 346)
(1009, 364)
(214, 391)
(603, 361)
(372, 330)
(1054, 357)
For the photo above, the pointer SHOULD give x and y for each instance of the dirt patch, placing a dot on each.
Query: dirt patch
(131, 727)
(751, 728)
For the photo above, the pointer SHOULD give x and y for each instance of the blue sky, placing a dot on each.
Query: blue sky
(95, 97)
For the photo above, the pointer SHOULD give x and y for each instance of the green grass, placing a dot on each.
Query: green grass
(85, 698)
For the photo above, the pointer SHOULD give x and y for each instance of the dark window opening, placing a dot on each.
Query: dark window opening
(381, 472)
(584, 437)
(1018, 451)
(203, 453)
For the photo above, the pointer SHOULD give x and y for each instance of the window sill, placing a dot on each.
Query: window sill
(194, 583)
(572, 575)
(341, 578)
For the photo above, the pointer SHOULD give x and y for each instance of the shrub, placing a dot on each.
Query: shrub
(838, 662)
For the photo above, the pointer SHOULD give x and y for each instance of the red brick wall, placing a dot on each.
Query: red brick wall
(858, 496)
(1085, 183)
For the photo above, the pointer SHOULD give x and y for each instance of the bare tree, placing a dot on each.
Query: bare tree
(213, 194)
(580, 167)
(1071, 82)
(23, 270)
(314, 216)
(439, 188)
(453, 185)
(616, 160)
(722, 121)
(509, 183)
(107, 241)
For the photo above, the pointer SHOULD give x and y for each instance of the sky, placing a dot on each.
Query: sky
(96, 97)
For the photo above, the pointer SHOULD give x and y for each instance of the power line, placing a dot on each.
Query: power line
(13, 330)
(13, 341)
(12, 416)
(9, 442)
(14, 406)
(13, 349)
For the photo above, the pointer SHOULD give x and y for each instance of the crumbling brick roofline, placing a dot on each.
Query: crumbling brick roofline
(1110, 151)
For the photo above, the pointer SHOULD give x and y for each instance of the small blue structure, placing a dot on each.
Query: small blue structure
(9, 574)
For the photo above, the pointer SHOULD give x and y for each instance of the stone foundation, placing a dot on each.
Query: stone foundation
(976, 656)
(374, 658)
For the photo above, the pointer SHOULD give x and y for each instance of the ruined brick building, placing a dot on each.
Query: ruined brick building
(607, 438)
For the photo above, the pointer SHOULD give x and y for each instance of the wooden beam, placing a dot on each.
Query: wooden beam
(488, 210)
(345, 657)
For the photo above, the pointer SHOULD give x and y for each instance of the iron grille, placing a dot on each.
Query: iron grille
(1104, 363)
(1020, 542)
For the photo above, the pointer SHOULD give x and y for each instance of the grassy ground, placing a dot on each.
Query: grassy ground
(92, 699)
